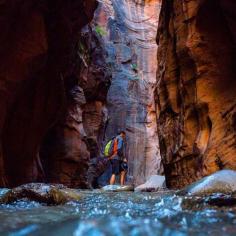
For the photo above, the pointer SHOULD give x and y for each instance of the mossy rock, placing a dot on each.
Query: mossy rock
(44, 193)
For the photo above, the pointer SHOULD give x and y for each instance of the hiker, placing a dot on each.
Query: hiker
(118, 161)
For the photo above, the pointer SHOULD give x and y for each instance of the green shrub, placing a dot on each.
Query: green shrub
(100, 31)
(134, 78)
(81, 47)
(83, 53)
(134, 66)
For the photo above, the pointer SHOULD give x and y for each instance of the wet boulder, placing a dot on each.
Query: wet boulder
(154, 183)
(97, 166)
(118, 188)
(221, 200)
(3, 191)
(223, 181)
(44, 193)
(199, 203)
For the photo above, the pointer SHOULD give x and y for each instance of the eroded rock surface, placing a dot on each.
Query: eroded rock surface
(196, 88)
(128, 29)
(76, 137)
(49, 194)
(56, 114)
(38, 63)
(153, 184)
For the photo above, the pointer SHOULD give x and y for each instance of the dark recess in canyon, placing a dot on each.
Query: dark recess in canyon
(78, 134)
(38, 68)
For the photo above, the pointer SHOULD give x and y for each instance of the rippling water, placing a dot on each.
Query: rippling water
(125, 213)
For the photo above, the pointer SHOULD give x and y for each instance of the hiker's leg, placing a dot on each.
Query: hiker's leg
(112, 179)
(123, 171)
(115, 171)
(122, 177)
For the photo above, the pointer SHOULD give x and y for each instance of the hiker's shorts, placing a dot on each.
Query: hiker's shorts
(115, 165)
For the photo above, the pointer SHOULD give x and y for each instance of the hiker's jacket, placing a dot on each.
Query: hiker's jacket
(119, 148)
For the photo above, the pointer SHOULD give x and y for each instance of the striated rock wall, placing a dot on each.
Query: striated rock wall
(196, 88)
(57, 111)
(128, 29)
(37, 63)
(75, 138)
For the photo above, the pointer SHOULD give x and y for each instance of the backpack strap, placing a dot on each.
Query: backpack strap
(115, 147)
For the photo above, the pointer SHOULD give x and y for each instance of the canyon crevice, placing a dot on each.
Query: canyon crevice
(67, 90)
(129, 37)
(118, 52)
(74, 73)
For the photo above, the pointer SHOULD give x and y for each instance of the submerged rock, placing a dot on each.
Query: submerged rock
(221, 200)
(223, 181)
(97, 166)
(3, 191)
(214, 200)
(154, 183)
(118, 188)
(45, 193)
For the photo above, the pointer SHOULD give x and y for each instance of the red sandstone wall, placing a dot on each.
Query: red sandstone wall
(36, 59)
(196, 88)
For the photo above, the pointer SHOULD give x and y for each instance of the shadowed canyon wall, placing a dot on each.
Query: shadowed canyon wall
(66, 91)
(38, 63)
(75, 138)
(196, 88)
(128, 29)
(70, 79)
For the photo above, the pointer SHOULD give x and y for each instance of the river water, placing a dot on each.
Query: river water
(119, 213)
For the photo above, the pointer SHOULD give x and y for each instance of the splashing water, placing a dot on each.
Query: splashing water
(126, 213)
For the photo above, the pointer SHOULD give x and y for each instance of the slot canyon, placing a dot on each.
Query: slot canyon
(75, 73)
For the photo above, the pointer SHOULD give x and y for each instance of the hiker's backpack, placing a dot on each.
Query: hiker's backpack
(109, 147)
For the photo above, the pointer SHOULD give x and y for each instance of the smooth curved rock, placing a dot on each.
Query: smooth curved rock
(223, 181)
(3, 191)
(154, 183)
(118, 188)
(196, 81)
(130, 41)
(38, 61)
(49, 194)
